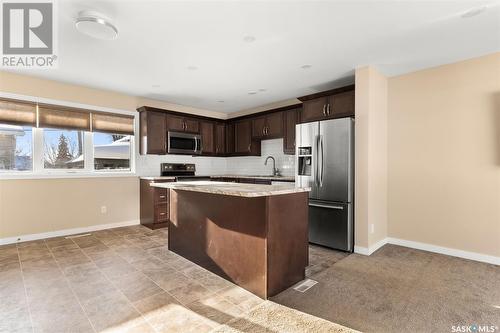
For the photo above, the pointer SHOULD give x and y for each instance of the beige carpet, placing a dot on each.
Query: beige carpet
(272, 317)
(398, 289)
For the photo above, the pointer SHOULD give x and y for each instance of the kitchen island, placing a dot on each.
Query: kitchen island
(254, 235)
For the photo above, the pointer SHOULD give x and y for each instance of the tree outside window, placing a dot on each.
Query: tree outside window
(63, 149)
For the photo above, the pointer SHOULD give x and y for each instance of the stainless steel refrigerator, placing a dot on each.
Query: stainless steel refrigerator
(325, 162)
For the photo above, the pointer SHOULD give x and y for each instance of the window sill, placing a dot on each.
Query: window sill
(110, 174)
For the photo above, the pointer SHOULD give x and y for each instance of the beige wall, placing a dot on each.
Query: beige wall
(44, 205)
(444, 156)
(371, 157)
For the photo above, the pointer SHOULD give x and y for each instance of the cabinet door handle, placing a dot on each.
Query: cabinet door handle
(162, 196)
(249, 147)
(324, 110)
(163, 214)
(264, 130)
(328, 109)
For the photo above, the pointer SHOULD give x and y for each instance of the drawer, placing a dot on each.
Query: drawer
(161, 213)
(160, 195)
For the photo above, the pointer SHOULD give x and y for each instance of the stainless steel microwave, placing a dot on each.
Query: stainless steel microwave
(184, 143)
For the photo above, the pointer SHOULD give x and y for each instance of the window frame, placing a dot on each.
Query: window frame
(37, 145)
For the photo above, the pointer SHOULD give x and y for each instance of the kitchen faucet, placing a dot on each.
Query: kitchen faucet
(275, 171)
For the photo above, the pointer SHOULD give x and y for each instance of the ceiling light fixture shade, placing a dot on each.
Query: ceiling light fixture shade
(96, 25)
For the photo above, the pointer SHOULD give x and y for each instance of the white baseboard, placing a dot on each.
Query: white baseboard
(445, 250)
(361, 250)
(430, 248)
(369, 250)
(65, 232)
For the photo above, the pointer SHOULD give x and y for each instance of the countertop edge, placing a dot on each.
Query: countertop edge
(234, 192)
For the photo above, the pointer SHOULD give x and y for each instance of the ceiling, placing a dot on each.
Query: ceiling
(211, 55)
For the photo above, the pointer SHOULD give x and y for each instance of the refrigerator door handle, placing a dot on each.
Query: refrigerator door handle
(322, 161)
(316, 171)
(325, 206)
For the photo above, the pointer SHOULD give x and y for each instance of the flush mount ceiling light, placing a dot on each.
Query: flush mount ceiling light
(252, 92)
(220, 101)
(306, 66)
(96, 25)
(192, 68)
(473, 12)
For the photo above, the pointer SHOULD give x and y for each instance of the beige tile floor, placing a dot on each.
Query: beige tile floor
(123, 280)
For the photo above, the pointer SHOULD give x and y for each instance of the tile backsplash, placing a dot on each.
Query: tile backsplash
(149, 165)
(254, 165)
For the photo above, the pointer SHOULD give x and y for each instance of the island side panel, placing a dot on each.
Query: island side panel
(287, 240)
(224, 234)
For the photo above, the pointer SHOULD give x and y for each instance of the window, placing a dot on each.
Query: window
(16, 148)
(50, 139)
(112, 141)
(63, 149)
(17, 119)
(111, 151)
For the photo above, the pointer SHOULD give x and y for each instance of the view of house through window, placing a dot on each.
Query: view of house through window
(111, 151)
(16, 148)
(63, 149)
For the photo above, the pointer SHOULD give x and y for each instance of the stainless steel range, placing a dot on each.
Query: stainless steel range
(181, 172)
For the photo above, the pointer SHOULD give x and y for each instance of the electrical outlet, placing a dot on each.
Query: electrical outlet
(104, 209)
(372, 228)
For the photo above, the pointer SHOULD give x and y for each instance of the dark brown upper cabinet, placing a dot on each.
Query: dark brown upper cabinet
(207, 132)
(244, 145)
(291, 119)
(337, 103)
(182, 124)
(269, 126)
(230, 139)
(341, 105)
(242, 136)
(314, 109)
(220, 139)
(153, 133)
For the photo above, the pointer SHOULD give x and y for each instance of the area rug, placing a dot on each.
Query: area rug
(272, 317)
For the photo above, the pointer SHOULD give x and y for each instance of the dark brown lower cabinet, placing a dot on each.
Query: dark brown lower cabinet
(154, 202)
(263, 247)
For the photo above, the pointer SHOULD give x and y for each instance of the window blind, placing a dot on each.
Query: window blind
(50, 116)
(112, 123)
(15, 112)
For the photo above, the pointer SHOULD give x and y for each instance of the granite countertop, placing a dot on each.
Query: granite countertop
(276, 178)
(233, 189)
(158, 178)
